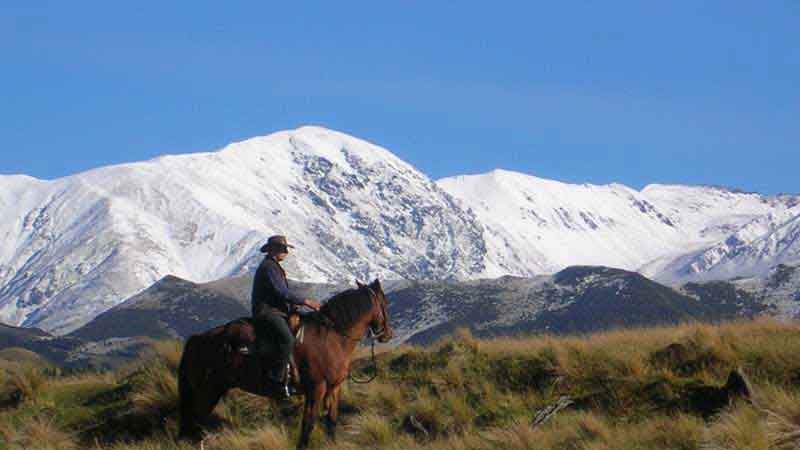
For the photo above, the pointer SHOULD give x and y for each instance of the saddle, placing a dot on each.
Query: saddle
(295, 326)
(243, 344)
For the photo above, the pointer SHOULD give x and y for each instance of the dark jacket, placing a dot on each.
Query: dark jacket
(271, 290)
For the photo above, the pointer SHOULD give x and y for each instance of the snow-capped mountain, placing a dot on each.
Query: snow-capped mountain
(536, 226)
(76, 246)
(753, 250)
(539, 226)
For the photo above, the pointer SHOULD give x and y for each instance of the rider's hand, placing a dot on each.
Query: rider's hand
(313, 304)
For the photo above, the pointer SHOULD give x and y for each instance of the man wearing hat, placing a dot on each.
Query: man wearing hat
(271, 304)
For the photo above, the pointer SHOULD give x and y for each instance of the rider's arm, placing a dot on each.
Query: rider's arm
(277, 280)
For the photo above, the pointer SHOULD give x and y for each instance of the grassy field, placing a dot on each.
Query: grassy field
(656, 388)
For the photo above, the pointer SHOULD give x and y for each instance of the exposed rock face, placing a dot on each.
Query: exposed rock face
(77, 246)
(72, 248)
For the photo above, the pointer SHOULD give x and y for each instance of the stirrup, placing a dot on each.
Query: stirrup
(280, 387)
(282, 391)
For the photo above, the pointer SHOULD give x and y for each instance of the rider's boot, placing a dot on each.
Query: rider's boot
(278, 381)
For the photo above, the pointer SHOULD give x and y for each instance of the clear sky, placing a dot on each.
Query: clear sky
(700, 92)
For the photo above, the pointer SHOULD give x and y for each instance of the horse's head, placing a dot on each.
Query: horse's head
(379, 325)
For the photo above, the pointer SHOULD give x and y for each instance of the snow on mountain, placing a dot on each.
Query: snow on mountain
(726, 224)
(709, 214)
(752, 250)
(76, 246)
(536, 226)
(541, 226)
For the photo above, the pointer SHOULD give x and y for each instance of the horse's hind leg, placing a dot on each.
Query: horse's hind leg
(189, 428)
(196, 410)
(206, 403)
(310, 412)
(332, 402)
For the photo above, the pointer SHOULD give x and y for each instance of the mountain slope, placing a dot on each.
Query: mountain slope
(175, 308)
(752, 251)
(79, 245)
(75, 247)
(778, 290)
(536, 226)
(577, 299)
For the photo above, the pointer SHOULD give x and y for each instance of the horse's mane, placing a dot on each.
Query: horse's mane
(344, 308)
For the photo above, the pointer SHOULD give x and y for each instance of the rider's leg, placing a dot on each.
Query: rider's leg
(264, 333)
(284, 343)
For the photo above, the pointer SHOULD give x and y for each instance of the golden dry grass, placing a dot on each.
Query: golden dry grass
(461, 393)
(37, 432)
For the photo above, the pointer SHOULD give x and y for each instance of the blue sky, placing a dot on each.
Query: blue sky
(632, 92)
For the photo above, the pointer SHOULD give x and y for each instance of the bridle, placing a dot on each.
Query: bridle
(383, 323)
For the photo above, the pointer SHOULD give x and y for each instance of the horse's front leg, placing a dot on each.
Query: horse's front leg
(332, 400)
(310, 413)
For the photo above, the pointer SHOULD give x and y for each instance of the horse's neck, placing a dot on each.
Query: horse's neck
(359, 328)
(352, 335)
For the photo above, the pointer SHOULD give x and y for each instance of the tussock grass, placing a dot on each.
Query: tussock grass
(161, 443)
(378, 396)
(241, 409)
(154, 383)
(24, 383)
(266, 438)
(169, 353)
(739, 429)
(155, 391)
(638, 389)
(782, 411)
(371, 430)
(36, 433)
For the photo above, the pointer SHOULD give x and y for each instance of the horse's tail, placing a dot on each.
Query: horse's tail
(189, 427)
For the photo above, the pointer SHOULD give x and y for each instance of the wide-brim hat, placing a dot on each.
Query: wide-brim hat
(277, 241)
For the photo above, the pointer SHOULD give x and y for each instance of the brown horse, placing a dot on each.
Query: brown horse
(211, 363)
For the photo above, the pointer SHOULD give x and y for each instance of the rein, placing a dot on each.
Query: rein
(374, 375)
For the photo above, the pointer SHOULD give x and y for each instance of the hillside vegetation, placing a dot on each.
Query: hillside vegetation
(655, 388)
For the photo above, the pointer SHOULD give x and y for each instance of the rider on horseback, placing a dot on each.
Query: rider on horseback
(272, 302)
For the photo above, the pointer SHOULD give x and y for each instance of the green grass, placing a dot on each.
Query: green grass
(640, 389)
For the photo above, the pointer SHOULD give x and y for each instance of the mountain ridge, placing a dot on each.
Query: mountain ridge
(84, 243)
(76, 246)
(576, 300)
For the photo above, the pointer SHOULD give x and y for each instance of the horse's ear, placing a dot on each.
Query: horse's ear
(360, 284)
(376, 285)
